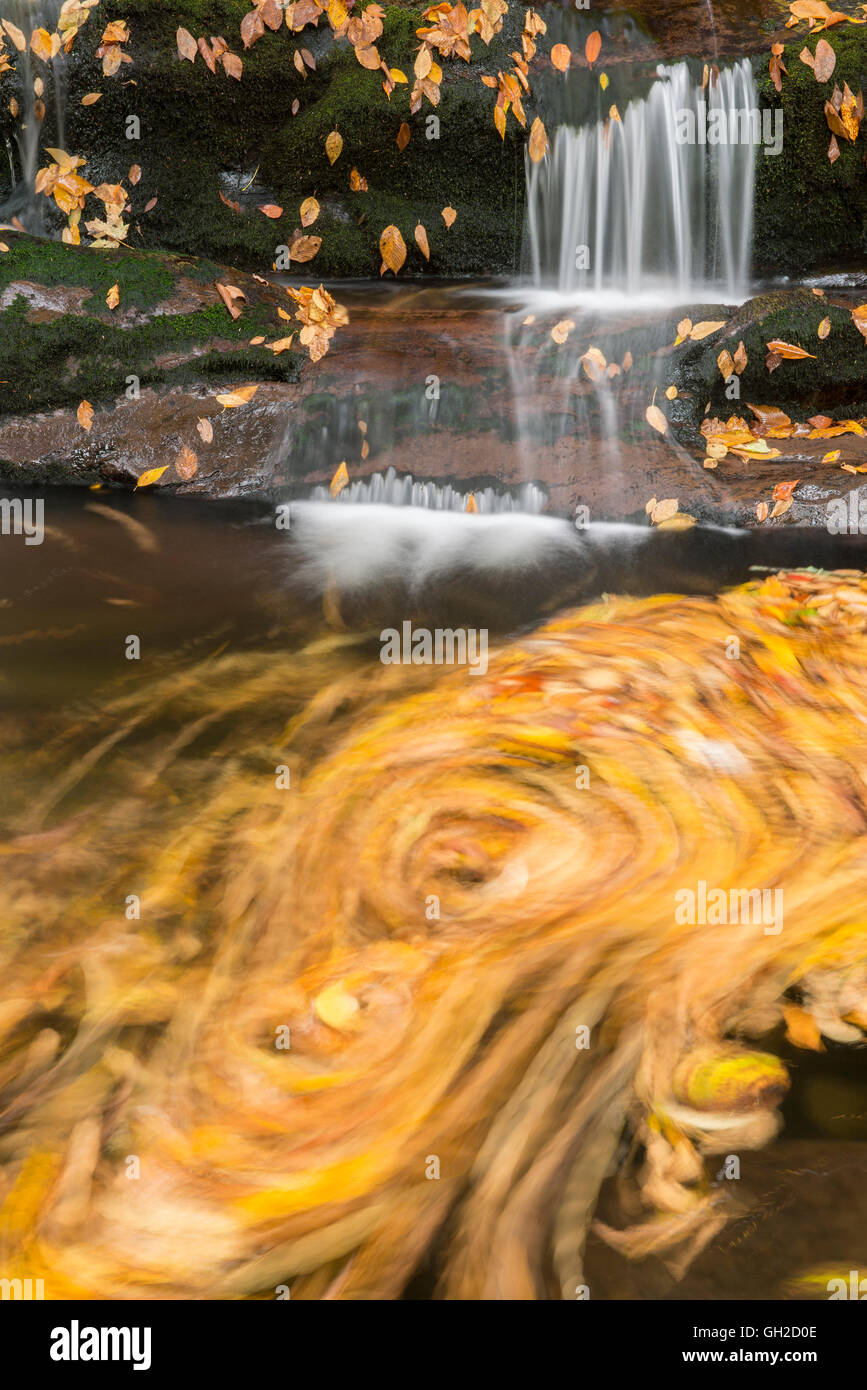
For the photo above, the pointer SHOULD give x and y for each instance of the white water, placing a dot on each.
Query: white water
(655, 215)
(402, 490)
(25, 157)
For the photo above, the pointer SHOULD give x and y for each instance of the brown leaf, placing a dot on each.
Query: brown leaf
(825, 61)
(91, 99)
(304, 248)
(402, 137)
(205, 429)
(134, 174)
(356, 182)
(228, 294)
(422, 241)
(740, 358)
(186, 464)
(725, 364)
(393, 250)
(232, 65)
(186, 45)
(781, 507)
(762, 511)
(149, 207)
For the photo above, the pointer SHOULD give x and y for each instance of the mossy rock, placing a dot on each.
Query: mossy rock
(60, 343)
(808, 211)
(203, 131)
(833, 381)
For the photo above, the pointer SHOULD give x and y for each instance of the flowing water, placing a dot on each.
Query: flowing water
(41, 96)
(313, 937)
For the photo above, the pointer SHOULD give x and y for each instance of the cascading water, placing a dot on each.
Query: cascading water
(647, 203)
(402, 490)
(41, 100)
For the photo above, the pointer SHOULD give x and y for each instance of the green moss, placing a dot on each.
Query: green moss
(808, 210)
(73, 357)
(143, 279)
(196, 126)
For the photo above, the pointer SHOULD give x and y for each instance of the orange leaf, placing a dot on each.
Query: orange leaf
(422, 241)
(271, 210)
(393, 250)
(593, 46)
(449, 216)
(561, 56)
(339, 481)
(186, 464)
(84, 415)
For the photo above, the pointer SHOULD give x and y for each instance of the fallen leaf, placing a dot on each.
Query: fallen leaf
(671, 393)
(449, 216)
(705, 328)
(560, 332)
(824, 328)
(859, 318)
(243, 394)
(762, 511)
(422, 241)
(784, 490)
(271, 210)
(205, 429)
(725, 364)
(304, 248)
(740, 358)
(91, 99)
(654, 416)
(825, 61)
(781, 507)
(832, 456)
(150, 476)
(333, 146)
(593, 47)
(402, 137)
(84, 415)
(664, 510)
(356, 182)
(148, 207)
(393, 250)
(187, 47)
(561, 56)
(186, 464)
(788, 351)
(112, 299)
(134, 174)
(309, 212)
(538, 143)
(339, 481)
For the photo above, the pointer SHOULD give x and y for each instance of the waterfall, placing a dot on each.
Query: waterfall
(646, 203)
(402, 490)
(40, 91)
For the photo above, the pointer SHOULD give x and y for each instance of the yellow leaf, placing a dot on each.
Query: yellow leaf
(832, 456)
(339, 481)
(333, 146)
(335, 1006)
(560, 332)
(538, 143)
(671, 393)
(357, 183)
(393, 250)
(112, 299)
(231, 399)
(664, 510)
(654, 416)
(397, 76)
(824, 328)
(704, 329)
(151, 476)
(603, 80)
(309, 212)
